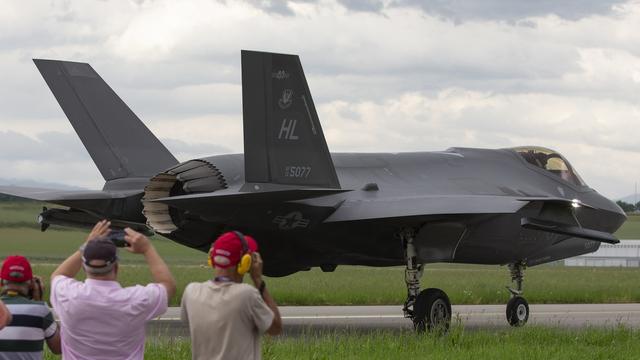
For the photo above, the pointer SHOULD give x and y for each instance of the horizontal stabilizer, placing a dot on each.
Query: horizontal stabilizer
(424, 206)
(205, 203)
(54, 195)
(95, 201)
(567, 229)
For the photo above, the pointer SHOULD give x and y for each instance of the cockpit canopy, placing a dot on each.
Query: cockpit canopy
(550, 161)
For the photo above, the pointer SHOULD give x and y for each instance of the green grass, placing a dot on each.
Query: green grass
(630, 229)
(355, 285)
(55, 245)
(528, 343)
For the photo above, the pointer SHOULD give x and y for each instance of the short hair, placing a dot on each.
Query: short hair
(102, 270)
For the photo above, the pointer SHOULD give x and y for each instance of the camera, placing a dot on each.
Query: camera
(117, 237)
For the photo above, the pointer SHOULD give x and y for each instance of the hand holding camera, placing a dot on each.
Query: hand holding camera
(101, 229)
(117, 237)
(137, 242)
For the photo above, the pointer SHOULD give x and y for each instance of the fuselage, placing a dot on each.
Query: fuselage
(482, 238)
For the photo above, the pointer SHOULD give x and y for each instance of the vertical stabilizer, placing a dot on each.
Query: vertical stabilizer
(118, 142)
(283, 139)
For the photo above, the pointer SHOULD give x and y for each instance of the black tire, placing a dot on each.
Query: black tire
(432, 311)
(517, 311)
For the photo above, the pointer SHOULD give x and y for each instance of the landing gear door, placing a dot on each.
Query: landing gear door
(437, 242)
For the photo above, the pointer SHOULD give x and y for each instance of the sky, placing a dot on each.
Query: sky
(386, 76)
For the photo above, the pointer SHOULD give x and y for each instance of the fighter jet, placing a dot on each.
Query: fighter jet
(518, 207)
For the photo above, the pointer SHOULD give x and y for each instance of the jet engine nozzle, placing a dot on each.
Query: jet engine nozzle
(193, 176)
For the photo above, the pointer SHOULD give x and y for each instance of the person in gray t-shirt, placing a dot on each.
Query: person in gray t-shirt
(225, 316)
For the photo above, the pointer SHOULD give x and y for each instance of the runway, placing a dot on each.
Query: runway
(309, 319)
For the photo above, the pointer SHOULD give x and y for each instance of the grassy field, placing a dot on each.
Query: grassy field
(465, 284)
(349, 285)
(528, 343)
(630, 229)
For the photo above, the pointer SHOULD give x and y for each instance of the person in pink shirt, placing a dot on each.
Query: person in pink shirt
(99, 318)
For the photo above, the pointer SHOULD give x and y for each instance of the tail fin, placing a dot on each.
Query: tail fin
(118, 142)
(283, 139)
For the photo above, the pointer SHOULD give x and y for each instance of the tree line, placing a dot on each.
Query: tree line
(628, 207)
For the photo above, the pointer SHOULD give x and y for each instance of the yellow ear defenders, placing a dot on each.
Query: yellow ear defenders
(245, 261)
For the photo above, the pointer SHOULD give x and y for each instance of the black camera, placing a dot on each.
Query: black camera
(117, 237)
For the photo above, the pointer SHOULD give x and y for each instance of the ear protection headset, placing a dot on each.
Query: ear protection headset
(245, 261)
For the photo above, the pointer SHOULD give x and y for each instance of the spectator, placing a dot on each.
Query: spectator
(225, 316)
(99, 318)
(31, 321)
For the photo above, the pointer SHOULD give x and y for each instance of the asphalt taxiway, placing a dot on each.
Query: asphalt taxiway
(310, 319)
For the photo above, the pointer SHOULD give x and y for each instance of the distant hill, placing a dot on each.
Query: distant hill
(630, 199)
(32, 183)
(38, 184)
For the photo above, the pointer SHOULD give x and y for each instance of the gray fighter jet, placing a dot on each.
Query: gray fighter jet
(308, 207)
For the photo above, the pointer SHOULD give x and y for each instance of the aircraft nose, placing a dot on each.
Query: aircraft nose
(605, 215)
(617, 213)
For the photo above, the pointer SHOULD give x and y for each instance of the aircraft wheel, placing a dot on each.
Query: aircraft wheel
(517, 311)
(432, 311)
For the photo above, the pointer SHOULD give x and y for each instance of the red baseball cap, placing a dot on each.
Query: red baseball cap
(227, 250)
(16, 268)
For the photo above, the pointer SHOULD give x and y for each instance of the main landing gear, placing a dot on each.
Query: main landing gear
(429, 309)
(517, 307)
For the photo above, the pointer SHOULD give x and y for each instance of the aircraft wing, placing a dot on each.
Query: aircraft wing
(86, 206)
(355, 210)
(425, 205)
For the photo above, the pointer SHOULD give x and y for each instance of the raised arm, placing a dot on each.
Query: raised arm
(140, 244)
(71, 266)
(5, 315)
(256, 277)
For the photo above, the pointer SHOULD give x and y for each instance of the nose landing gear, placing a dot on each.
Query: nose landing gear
(517, 307)
(429, 309)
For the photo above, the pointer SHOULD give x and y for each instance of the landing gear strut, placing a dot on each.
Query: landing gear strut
(429, 309)
(517, 307)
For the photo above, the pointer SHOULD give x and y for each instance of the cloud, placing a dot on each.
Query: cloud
(461, 11)
(388, 75)
(60, 158)
(511, 10)
(46, 147)
(272, 6)
(363, 5)
(187, 151)
(578, 128)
